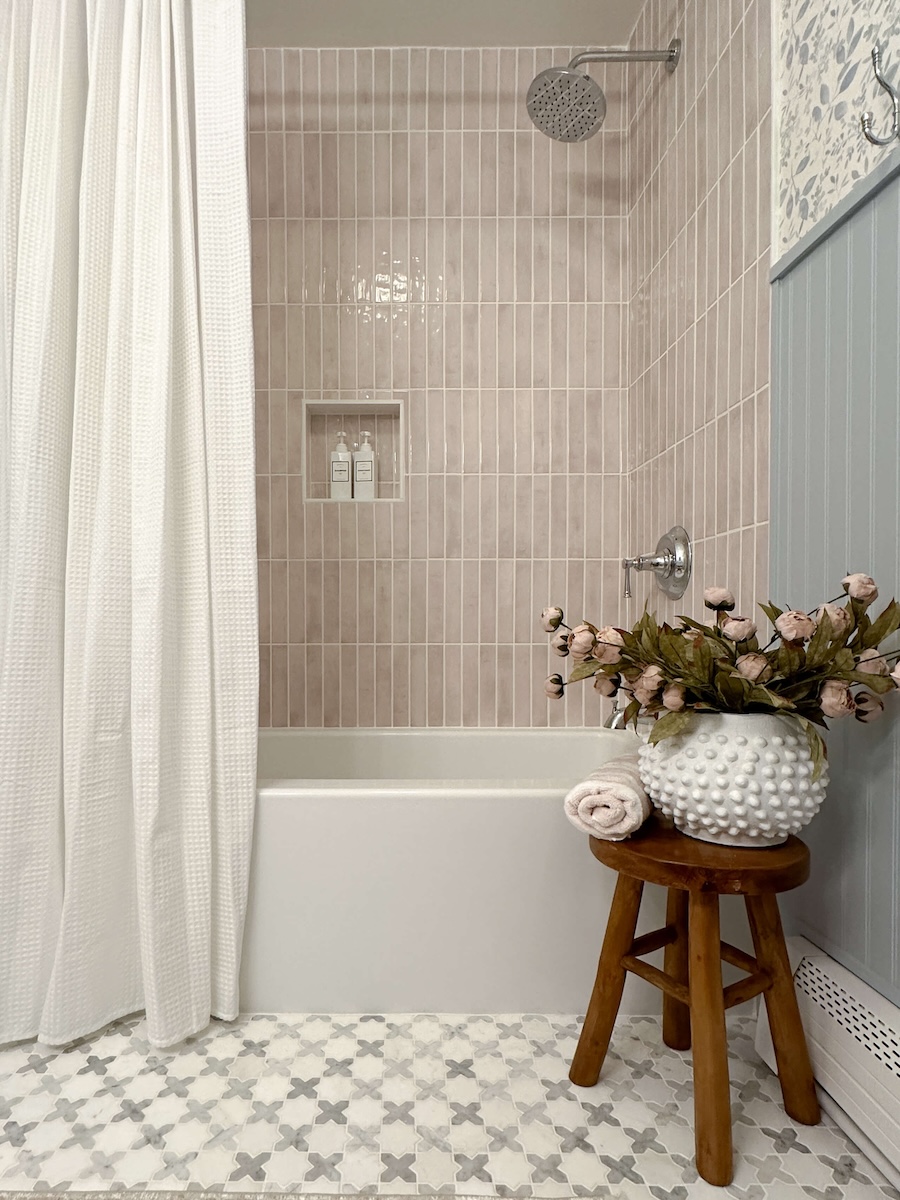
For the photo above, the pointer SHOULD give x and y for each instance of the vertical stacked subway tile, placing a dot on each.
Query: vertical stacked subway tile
(579, 334)
(699, 244)
(413, 233)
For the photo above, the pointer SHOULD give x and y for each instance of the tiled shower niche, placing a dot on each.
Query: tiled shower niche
(324, 419)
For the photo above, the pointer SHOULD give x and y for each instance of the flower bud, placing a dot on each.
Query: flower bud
(649, 684)
(606, 685)
(754, 666)
(860, 587)
(609, 644)
(554, 687)
(651, 679)
(559, 643)
(582, 641)
(841, 618)
(795, 626)
(869, 707)
(870, 662)
(673, 697)
(718, 598)
(835, 698)
(551, 618)
(739, 629)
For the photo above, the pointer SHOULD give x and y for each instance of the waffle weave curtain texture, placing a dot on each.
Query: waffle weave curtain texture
(128, 627)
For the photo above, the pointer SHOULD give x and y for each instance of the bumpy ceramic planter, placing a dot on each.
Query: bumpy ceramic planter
(739, 779)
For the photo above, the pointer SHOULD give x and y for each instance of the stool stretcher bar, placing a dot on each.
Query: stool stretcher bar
(757, 981)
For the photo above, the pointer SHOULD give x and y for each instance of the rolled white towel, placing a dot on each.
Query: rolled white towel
(611, 803)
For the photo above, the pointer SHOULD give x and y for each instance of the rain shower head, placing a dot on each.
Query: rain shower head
(566, 105)
(569, 106)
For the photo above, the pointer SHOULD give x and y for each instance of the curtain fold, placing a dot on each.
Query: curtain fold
(127, 788)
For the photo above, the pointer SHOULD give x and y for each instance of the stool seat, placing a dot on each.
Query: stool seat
(694, 1001)
(659, 853)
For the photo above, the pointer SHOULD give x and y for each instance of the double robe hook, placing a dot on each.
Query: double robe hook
(867, 117)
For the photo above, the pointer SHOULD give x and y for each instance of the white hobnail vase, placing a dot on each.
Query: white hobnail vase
(737, 779)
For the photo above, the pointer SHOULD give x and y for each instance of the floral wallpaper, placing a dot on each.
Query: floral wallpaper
(824, 82)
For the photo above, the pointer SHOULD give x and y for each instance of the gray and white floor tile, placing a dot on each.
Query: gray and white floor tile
(415, 1104)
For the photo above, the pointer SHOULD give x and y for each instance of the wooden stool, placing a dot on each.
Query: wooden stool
(694, 1001)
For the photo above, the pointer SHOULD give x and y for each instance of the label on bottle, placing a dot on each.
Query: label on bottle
(364, 470)
(340, 471)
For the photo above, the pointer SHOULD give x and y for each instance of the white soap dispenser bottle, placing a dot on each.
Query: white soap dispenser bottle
(364, 468)
(341, 484)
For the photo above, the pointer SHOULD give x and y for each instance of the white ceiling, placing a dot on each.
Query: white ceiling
(440, 22)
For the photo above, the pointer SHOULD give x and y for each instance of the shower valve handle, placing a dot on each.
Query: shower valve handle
(645, 562)
(671, 563)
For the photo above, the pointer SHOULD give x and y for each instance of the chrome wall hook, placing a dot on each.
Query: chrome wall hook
(867, 117)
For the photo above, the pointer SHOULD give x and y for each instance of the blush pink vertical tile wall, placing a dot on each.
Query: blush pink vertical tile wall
(579, 333)
(413, 234)
(699, 244)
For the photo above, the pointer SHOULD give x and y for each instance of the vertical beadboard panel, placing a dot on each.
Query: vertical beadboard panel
(836, 508)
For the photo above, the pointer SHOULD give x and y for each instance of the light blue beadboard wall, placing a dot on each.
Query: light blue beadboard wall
(836, 508)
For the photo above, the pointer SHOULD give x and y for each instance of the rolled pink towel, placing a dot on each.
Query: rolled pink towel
(611, 803)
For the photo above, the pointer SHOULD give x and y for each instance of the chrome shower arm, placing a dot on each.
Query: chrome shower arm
(670, 56)
(568, 104)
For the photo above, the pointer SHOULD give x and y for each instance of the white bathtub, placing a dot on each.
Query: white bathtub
(399, 871)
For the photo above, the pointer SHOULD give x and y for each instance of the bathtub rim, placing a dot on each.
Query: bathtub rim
(274, 781)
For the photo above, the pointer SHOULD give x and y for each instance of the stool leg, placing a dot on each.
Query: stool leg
(791, 1055)
(676, 1028)
(712, 1096)
(609, 984)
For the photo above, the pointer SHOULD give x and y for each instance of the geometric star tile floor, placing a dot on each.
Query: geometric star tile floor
(394, 1105)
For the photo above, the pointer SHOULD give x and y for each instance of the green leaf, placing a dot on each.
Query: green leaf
(632, 712)
(668, 726)
(705, 660)
(648, 644)
(816, 746)
(863, 624)
(813, 714)
(630, 643)
(732, 689)
(723, 650)
(765, 696)
(817, 650)
(843, 660)
(772, 611)
(883, 626)
(585, 670)
(789, 659)
(698, 625)
(880, 684)
(673, 647)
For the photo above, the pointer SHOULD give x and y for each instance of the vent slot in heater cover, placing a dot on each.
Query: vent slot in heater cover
(854, 1043)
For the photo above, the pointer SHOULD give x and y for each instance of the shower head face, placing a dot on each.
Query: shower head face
(566, 105)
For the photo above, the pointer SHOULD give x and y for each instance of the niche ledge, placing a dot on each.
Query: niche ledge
(384, 414)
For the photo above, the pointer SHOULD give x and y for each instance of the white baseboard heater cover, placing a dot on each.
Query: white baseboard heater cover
(854, 1043)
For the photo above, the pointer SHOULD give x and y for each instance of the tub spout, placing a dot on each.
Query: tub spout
(616, 719)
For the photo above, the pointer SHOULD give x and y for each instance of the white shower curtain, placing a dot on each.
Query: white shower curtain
(128, 638)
